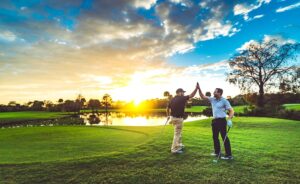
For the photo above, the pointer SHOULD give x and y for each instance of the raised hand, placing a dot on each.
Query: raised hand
(198, 86)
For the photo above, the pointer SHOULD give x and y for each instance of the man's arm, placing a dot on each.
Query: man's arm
(231, 113)
(200, 93)
(229, 109)
(168, 111)
(194, 92)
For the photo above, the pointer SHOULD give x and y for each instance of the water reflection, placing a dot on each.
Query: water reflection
(131, 119)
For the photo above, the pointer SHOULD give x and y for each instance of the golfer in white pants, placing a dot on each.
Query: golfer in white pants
(175, 111)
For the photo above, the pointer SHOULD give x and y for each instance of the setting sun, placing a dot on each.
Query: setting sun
(137, 102)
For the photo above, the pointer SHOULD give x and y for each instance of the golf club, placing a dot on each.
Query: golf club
(163, 128)
(216, 160)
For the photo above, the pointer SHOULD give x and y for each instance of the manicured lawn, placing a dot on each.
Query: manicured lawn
(265, 149)
(295, 107)
(237, 109)
(240, 108)
(195, 109)
(40, 144)
(29, 115)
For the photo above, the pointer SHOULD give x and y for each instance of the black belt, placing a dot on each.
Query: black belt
(219, 118)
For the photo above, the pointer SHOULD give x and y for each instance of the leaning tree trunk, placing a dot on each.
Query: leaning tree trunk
(260, 102)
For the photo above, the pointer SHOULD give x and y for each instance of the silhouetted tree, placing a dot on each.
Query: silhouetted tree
(71, 106)
(94, 104)
(291, 83)
(262, 64)
(106, 101)
(37, 105)
(208, 94)
(168, 95)
(12, 103)
(60, 105)
(80, 102)
(48, 104)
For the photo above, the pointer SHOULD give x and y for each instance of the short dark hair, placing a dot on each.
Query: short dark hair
(220, 90)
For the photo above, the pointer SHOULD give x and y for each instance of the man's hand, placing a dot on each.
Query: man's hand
(194, 92)
(229, 123)
(200, 92)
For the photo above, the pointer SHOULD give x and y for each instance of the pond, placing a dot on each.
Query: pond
(102, 119)
(131, 119)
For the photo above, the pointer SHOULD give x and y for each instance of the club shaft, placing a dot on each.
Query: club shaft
(162, 130)
(223, 143)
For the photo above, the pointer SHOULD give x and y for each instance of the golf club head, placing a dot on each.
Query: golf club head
(215, 161)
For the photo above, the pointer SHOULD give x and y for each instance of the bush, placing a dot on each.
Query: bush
(272, 111)
(289, 114)
(207, 112)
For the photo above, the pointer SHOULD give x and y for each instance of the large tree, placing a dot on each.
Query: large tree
(263, 65)
(94, 104)
(106, 101)
(80, 102)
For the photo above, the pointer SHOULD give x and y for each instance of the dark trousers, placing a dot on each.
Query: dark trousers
(219, 126)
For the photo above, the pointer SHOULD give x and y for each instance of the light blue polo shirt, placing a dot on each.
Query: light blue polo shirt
(219, 107)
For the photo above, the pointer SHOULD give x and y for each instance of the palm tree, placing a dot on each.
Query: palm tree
(80, 101)
(168, 95)
(60, 104)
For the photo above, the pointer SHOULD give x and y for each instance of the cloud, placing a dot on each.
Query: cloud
(7, 36)
(213, 29)
(258, 16)
(245, 9)
(147, 4)
(279, 40)
(211, 26)
(104, 51)
(290, 7)
(186, 3)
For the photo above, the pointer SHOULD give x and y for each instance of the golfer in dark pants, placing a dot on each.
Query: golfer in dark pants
(219, 124)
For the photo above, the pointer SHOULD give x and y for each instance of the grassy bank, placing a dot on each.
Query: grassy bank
(265, 151)
(295, 107)
(29, 115)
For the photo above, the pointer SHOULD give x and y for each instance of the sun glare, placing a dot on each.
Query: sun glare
(137, 102)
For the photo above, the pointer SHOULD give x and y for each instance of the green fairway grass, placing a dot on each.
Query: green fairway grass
(196, 109)
(40, 144)
(266, 150)
(295, 107)
(240, 108)
(29, 115)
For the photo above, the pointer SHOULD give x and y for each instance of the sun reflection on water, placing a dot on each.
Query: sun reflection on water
(129, 119)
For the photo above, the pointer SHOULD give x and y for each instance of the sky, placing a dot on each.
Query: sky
(130, 49)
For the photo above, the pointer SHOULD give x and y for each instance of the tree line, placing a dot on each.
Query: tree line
(106, 103)
(61, 105)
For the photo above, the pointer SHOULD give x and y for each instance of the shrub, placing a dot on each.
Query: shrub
(207, 112)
